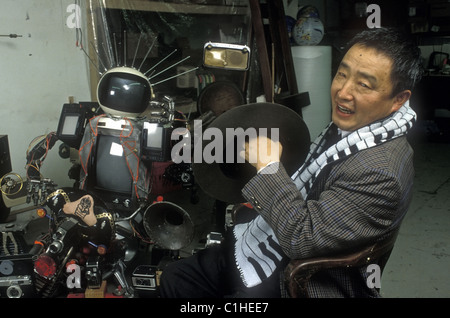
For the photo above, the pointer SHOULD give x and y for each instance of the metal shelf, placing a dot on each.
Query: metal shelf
(173, 7)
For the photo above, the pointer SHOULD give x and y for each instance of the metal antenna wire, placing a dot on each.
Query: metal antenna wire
(169, 78)
(98, 56)
(137, 48)
(166, 69)
(160, 61)
(82, 48)
(148, 52)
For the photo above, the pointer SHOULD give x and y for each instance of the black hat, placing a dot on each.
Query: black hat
(225, 181)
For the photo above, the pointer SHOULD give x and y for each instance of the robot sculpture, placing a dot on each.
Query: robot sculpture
(95, 226)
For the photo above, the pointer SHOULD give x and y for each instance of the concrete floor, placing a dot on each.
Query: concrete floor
(419, 265)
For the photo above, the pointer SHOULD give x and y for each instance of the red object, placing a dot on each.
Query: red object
(75, 295)
(86, 250)
(110, 295)
(248, 205)
(41, 212)
(81, 295)
(70, 262)
(38, 243)
(45, 266)
(160, 184)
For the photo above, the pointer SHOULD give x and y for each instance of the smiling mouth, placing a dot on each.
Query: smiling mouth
(345, 110)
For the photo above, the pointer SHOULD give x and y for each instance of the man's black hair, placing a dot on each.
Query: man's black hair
(407, 66)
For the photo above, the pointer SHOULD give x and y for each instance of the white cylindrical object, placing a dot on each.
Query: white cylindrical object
(312, 66)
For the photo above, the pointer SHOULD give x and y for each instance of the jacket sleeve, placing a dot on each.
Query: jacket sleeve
(356, 206)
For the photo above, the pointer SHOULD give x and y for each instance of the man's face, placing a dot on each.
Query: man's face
(361, 91)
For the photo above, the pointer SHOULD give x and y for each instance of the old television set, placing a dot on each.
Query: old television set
(110, 177)
(71, 124)
(124, 92)
(156, 143)
(111, 170)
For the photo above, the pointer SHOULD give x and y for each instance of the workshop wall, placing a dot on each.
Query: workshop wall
(38, 73)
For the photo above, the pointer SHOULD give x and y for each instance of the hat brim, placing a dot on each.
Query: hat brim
(225, 181)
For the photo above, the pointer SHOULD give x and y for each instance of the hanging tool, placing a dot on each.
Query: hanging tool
(12, 36)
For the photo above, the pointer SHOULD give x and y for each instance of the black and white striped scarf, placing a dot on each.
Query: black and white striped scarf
(396, 125)
(257, 251)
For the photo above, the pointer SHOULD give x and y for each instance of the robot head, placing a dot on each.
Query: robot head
(124, 92)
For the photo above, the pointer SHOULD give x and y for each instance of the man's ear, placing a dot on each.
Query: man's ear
(400, 99)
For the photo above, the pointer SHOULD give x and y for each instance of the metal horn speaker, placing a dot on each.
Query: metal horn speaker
(168, 225)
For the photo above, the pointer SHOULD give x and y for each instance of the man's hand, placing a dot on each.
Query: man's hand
(262, 150)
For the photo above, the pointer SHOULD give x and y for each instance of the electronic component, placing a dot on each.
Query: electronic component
(64, 235)
(16, 286)
(5, 168)
(180, 174)
(156, 132)
(226, 56)
(16, 273)
(5, 158)
(213, 238)
(72, 122)
(110, 157)
(156, 142)
(144, 277)
(93, 272)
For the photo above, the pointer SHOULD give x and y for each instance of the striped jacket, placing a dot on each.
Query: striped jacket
(352, 203)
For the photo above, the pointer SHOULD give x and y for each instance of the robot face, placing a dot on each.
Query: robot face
(124, 92)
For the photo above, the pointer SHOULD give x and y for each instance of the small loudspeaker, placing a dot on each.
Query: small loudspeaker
(5, 167)
(226, 56)
(5, 160)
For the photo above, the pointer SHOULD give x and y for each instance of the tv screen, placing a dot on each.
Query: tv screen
(70, 125)
(111, 169)
(154, 135)
(124, 92)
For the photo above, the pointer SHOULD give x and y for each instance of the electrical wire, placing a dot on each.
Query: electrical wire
(37, 151)
(78, 30)
(137, 234)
